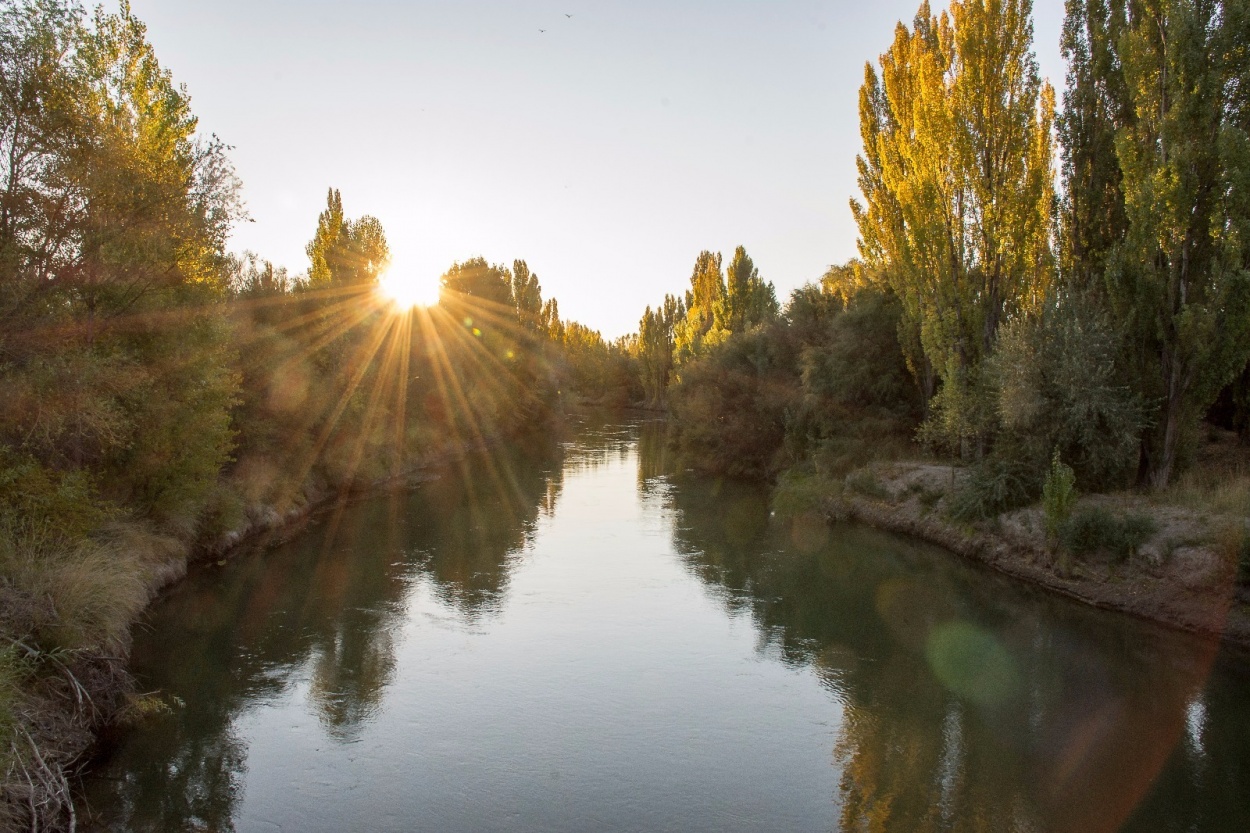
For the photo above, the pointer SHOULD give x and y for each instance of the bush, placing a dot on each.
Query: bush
(1058, 496)
(729, 408)
(866, 484)
(800, 492)
(1096, 530)
(993, 486)
(1060, 387)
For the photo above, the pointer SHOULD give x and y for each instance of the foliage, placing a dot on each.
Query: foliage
(1157, 156)
(865, 483)
(993, 485)
(825, 380)
(729, 408)
(748, 300)
(857, 393)
(957, 187)
(1094, 529)
(477, 281)
(1058, 496)
(345, 252)
(656, 347)
(1060, 386)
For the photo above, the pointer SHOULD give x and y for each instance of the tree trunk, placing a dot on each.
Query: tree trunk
(1162, 462)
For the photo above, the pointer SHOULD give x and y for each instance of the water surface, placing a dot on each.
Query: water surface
(572, 639)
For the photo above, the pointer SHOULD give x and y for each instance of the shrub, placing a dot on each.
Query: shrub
(800, 492)
(729, 408)
(993, 486)
(865, 483)
(1096, 530)
(1059, 386)
(1058, 496)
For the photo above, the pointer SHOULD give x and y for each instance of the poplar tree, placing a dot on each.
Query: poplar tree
(345, 252)
(656, 346)
(748, 298)
(707, 289)
(958, 190)
(527, 297)
(1157, 217)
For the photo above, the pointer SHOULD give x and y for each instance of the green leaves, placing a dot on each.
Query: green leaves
(957, 183)
(1158, 183)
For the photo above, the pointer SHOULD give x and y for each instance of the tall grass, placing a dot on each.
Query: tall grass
(1219, 490)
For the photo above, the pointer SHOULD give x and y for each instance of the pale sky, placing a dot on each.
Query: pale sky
(607, 151)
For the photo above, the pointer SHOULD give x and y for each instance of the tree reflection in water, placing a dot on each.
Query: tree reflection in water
(322, 611)
(962, 701)
(970, 702)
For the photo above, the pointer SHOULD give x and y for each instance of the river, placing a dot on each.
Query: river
(573, 638)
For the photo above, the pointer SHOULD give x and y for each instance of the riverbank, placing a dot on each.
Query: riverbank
(1183, 574)
(62, 699)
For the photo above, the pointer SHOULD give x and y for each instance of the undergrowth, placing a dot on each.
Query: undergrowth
(1094, 529)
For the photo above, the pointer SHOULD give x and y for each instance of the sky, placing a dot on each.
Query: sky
(606, 151)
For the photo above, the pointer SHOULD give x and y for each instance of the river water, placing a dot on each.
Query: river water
(572, 638)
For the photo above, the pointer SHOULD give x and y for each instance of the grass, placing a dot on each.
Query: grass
(1094, 529)
(86, 595)
(1218, 481)
(865, 483)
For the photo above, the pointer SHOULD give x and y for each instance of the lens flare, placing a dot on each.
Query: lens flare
(405, 289)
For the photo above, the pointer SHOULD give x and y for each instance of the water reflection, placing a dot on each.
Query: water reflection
(973, 703)
(598, 688)
(319, 618)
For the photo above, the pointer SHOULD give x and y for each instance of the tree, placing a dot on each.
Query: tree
(958, 191)
(476, 279)
(707, 289)
(656, 346)
(1095, 103)
(1165, 223)
(344, 252)
(527, 297)
(748, 299)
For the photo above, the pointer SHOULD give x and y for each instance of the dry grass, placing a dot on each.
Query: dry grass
(87, 596)
(1218, 481)
(65, 607)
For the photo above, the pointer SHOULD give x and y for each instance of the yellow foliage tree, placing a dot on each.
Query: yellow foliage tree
(958, 190)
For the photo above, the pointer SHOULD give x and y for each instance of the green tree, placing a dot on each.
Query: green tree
(1095, 103)
(958, 190)
(1179, 279)
(344, 252)
(748, 299)
(480, 281)
(527, 297)
(656, 346)
(707, 290)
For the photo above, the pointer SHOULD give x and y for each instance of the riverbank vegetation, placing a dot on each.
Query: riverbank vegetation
(1074, 315)
(161, 397)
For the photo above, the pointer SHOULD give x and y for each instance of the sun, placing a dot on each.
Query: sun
(405, 289)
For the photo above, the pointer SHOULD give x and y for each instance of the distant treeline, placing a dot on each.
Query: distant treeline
(157, 392)
(1001, 312)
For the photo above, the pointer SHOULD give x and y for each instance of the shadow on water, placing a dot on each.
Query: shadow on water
(972, 702)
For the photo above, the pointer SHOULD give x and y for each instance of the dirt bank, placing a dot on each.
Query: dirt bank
(1183, 575)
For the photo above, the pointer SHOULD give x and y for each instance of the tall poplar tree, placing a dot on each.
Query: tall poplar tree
(748, 298)
(1157, 214)
(346, 252)
(707, 289)
(957, 181)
